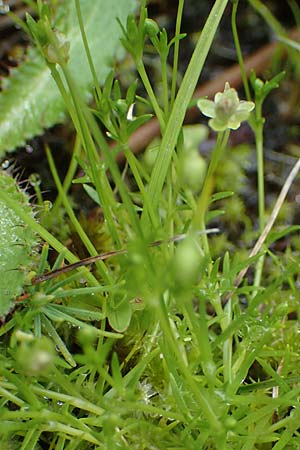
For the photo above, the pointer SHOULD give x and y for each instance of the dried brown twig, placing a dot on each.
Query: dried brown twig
(103, 256)
(257, 247)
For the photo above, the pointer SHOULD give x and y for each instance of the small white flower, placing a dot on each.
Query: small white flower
(227, 111)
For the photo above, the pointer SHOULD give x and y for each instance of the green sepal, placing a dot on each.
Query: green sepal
(119, 314)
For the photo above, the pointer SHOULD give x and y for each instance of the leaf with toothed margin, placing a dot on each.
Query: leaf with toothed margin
(30, 100)
(17, 244)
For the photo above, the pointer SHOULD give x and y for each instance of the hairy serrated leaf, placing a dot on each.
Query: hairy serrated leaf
(17, 244)
(30, 101)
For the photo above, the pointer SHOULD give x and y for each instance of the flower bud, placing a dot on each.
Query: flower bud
(151, 28)
(186, 262)
(193, 170)
(35, 355)
(58, 53)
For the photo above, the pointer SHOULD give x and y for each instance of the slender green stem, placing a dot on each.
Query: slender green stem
(170, 203)
(132, 406)
(146, 82)
(295, 8)
(260, 164)
(22, 387)
(176, 51)
(217, 153)
(200, 329)
(258, 131)
(49, 420)
(69, 176)
(265, 12)
(5, 394)
(87, 128)
(87, 48)
(31, 438)
(37, 326)
(37, 190)
(256, 124)
(197, 391)
(165, 86)
(181, 103)
(75, 401)
(134, 166)
(198, 222)
(66, 97)
(117, 177)
(247, 363)
(78, 228)
(57, 340)
(227, 346)
(98, 172)
(239, 51)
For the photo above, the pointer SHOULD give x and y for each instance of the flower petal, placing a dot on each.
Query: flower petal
(245, 106)
(207, 107)
(217, 125)
(239, 116)
(233, 124)
(227, 111)
(218, 97)
(231, 95)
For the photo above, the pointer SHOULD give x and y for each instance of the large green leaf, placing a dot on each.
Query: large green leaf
(17, 244)
(30, 100)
